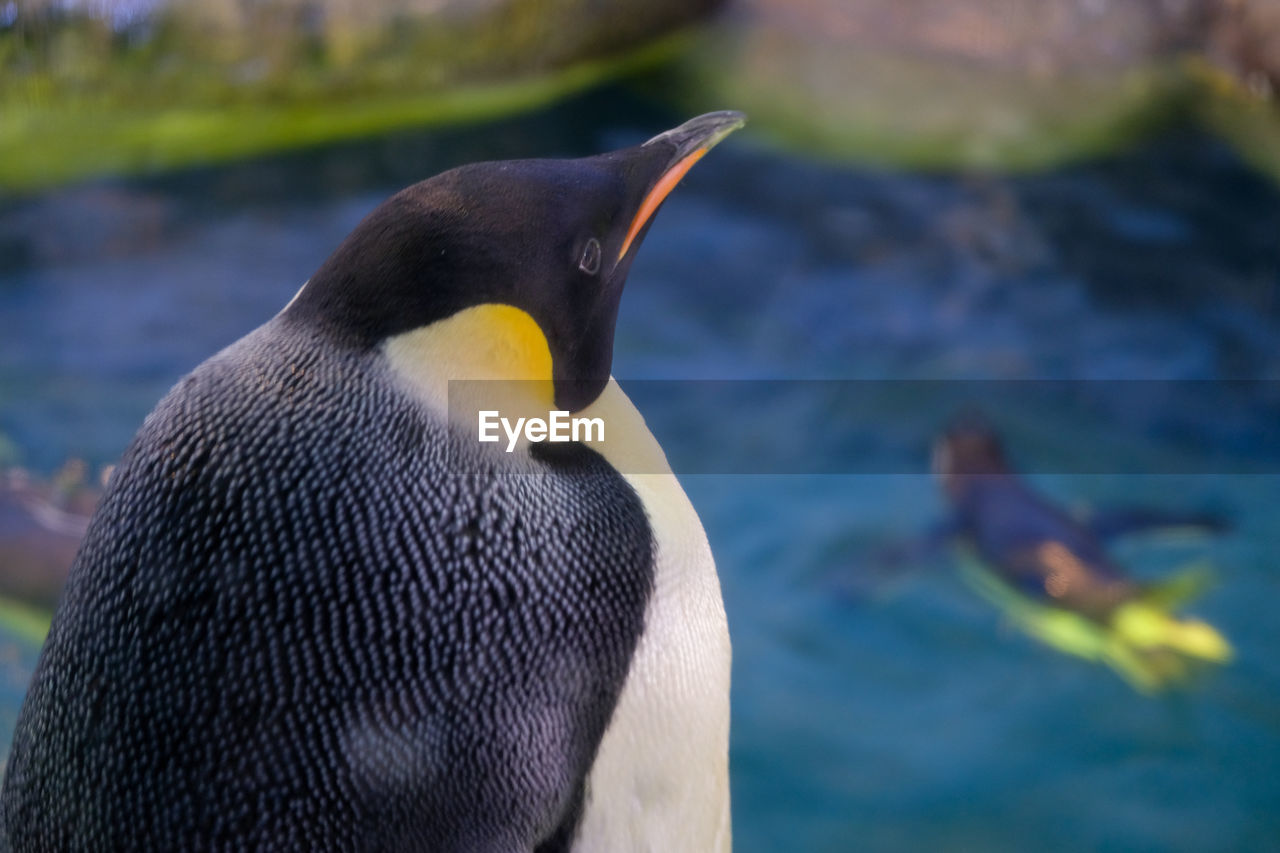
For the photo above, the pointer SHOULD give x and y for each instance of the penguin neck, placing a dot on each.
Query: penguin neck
(498, 342)
(498, 351)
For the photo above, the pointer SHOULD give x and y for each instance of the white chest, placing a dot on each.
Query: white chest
(660, 781)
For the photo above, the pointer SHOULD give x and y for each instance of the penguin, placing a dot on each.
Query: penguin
(41, 525)
(314, 612)
(1051, 574)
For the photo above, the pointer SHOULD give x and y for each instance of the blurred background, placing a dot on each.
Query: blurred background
(1062, 213)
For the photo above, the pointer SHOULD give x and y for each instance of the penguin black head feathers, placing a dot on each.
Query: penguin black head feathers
(969, 448)
(553, 239)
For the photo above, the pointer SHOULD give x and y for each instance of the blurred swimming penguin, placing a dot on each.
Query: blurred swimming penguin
(1050, 573)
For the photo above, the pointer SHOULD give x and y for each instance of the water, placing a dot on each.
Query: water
(904, 716)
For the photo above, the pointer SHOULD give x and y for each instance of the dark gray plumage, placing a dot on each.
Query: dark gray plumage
(306, 618)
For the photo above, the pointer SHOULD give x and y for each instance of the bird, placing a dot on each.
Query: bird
(1051, 573)
(314, 611)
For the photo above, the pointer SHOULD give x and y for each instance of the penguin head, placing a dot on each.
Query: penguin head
(970, 447)
(546, 241)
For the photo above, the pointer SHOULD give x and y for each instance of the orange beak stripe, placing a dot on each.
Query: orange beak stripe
(660, 191)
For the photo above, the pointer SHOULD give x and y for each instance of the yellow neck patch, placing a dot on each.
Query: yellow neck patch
(499, 342)
(484, 342)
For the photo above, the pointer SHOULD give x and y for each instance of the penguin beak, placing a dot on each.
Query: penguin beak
(690, 141)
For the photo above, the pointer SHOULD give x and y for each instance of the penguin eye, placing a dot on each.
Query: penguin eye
(590, 263)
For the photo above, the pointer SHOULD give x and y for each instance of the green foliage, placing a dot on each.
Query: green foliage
(21, 620)
(203, 82)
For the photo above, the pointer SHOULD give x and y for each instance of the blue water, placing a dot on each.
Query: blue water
(892, 713)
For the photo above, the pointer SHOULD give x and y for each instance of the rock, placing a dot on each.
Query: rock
(974, 83)
(1240, 76)
(1243, 39)
(102, 86)
(41, 525)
